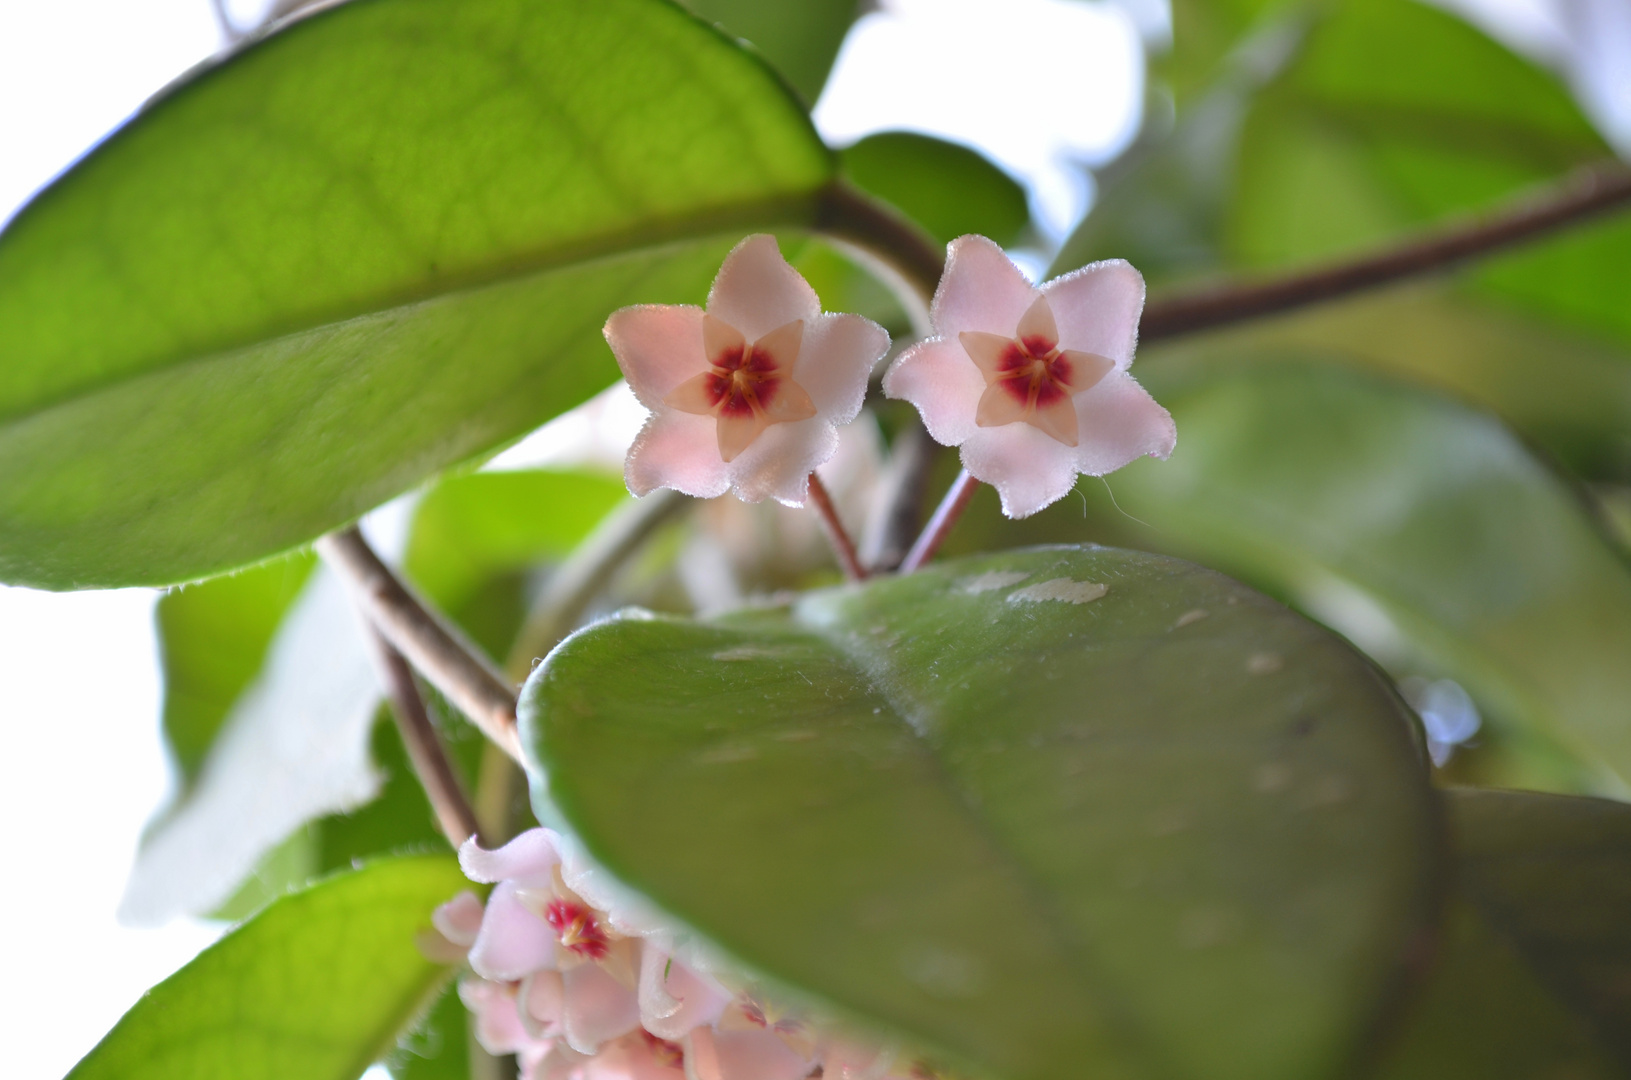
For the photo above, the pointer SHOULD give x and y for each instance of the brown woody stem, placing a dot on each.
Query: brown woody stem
(1584, 194)
(842, 545)
(425, 750)
(448, 661)
(940, 525)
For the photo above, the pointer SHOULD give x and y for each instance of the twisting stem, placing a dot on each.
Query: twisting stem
(842, 545)
(939, 527)
(1591, 191)
(425, 750)
(452, 664)
(848, 215)
(586, 574)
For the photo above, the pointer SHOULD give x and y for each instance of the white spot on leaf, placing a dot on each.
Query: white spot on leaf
(1063, 589)
(1264, 663)
(992, 579)
(1194, 615)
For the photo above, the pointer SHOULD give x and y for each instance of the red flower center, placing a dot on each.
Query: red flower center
(1035, 372)
(579, 930)
(743, 380)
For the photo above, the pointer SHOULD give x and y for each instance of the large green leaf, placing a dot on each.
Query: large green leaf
(800, 37)
(1418, 526)
(318, 985)
(379, 242)
(1057, 812)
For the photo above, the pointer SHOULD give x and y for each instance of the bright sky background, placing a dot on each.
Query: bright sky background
(82, 766)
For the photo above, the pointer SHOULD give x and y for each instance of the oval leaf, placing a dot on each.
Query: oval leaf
(376, 243)
(1051, 813)
(1419, 527)
(318, 985)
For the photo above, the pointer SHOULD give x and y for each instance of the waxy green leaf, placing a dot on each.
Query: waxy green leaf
(318, 985)
(800, 38)
(1419, 527)
(378, 242)
(1055, 812)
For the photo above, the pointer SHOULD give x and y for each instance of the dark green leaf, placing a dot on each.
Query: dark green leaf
(316, 986)
(377, 243)
(1172, 831)
(1553, 874)
(1419, 527)
(1484, 1014)
(948, 189)
(799, 37)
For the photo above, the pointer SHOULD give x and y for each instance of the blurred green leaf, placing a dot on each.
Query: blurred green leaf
(1537, 963)
(1172, 831)
(439, 1047)
(1554, 875)
(948, 189)
(317, 986)
(800, 38)
(1396, 114)
(1567, 391)
(213, 638)
(470, 529)
(374, 244)
(1483, 1013)
(1417, 526)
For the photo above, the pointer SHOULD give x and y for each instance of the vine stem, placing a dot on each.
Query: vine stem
(940, 525)
(448, 661)
(586, 573)
(858, 220)
(426, 753)
(831, 524)
(1580, 196)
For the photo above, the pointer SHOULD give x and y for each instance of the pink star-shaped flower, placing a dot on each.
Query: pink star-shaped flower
(747, 394)
(1032, 383)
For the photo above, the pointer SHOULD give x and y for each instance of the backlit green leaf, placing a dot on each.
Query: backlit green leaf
(1055, 812)
(318, 985)
(379, 242)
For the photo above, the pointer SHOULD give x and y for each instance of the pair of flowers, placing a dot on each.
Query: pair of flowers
(576, 991)
(1032, 385)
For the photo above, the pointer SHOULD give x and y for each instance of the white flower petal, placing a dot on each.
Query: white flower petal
(835, 362)
(941, 380)
(981, 289)
(1097, 309)
(513, 942)
(1029, 468)
(1119, 422)
(680, 451)
(459, 920)
(673, 998)
(757, 291)
(530, 858)
(779, 463)
(658, 346)
(596, 1007)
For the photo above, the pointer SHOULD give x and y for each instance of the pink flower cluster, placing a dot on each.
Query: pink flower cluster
(579, 994)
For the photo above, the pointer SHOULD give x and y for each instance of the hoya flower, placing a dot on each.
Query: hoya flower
(747, 394)
(1032, 383)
